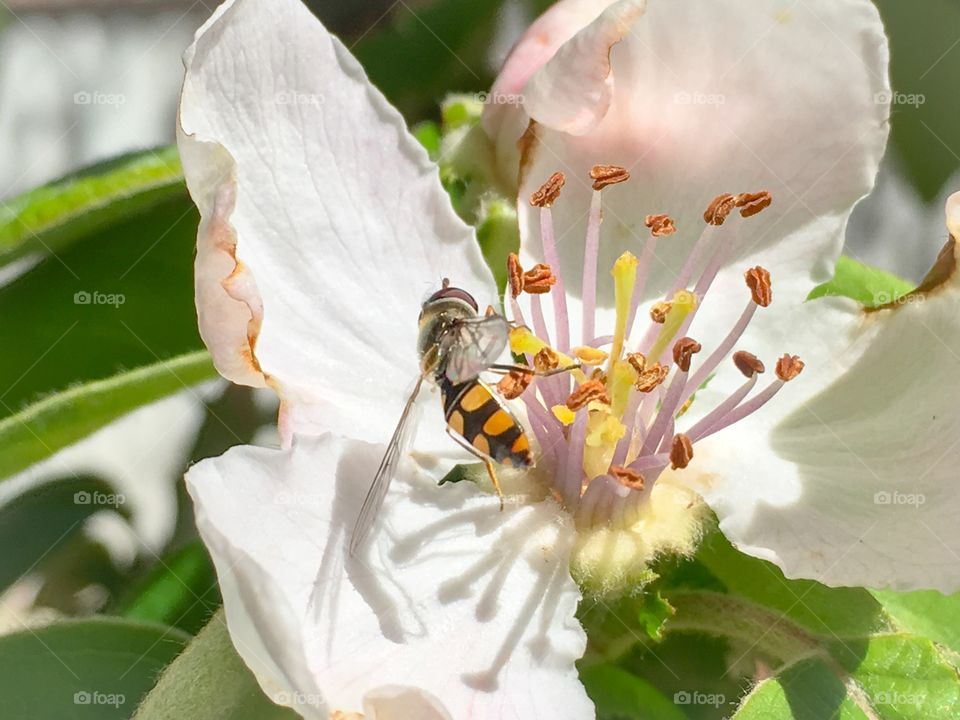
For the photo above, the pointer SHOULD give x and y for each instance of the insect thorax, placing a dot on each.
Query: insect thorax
(436, 319)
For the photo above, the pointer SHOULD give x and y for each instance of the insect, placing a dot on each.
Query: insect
(456, 345)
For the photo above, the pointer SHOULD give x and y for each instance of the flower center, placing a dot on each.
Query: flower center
(607, 430)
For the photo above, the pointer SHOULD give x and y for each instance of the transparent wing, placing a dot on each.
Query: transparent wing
(399, 444)
(471, 346)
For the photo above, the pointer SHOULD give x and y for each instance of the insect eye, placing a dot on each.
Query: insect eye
(448, 293)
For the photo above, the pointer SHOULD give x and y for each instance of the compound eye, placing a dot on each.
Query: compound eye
(452, 293)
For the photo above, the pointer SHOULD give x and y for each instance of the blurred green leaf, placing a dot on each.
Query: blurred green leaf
(180, 590)
(46, 517)
(94, 669)
(868, 286)
(209, 681)
(41, 429)
(50, 217)
(927, 613)
(619, 695)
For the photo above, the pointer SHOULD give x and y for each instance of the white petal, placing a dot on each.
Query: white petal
(452, 597)
(324, 225)
(857, 485)
(714, 96)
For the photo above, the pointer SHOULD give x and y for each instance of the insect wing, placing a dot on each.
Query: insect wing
(396, 449)
(474, 345)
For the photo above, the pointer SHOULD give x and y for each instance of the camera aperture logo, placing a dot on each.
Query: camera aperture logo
(84, 297)
(95, 697)
(85, 497)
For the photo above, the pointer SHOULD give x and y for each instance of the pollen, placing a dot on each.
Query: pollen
(604, 175)
(719, 209)
(638, 362)
(546, 359)
(548, 193)
(590, 391)
(681, 452)
(652, 377)
(788, 367)
(752, 203)
(748, 363)
(758, 280)
(539, 279)
(683, 351)
(627, 477)
(514, 275)
(660, 225)
(659, 311)
(512, 386)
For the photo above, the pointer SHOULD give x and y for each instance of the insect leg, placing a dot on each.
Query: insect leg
(491, 471)
(507, 369)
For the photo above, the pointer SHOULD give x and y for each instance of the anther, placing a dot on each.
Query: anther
(512, 386)
(604, 175)
(752, 203)
(590, 355)
(683, 351)
(748, 363)
(546, 360)
(758, 280)
(719, 209)
(539, 279)
(627, 477)
(681, 452)
(651, 377)
(660, 225)
(590, 391)
(637, 361)
(659, 311)
(548, 193)
(788, 367)
(514, 274)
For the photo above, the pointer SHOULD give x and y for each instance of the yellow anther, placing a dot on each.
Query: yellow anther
(565, 415)
(683, 303)
(589, 356)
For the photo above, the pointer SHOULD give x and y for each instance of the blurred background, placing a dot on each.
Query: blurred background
(101, 523)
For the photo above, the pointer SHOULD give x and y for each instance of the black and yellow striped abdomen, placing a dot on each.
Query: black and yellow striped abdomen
(474, 413)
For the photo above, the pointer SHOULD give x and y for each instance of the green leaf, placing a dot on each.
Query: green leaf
(868, 286)
(620, 695)
(615, 626)
(46, 426)
(927, 613)
(83, 669)
(180, 590)
(210, 682)
(50, 217)
(46, 517)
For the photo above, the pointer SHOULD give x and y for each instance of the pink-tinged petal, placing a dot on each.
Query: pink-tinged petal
(449, 596)
(324, 225)
(853, 481)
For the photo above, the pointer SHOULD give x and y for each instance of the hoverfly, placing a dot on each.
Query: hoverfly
(456, 344)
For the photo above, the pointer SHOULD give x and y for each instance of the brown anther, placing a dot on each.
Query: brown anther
(512, 386)
(659, 311)
(604, 175)
(660, 225)
(758, 280)
(718, 210)
(638, 362)
(546, 360)
(539, 279)
(683, 351)
(590, 391)
(599, 375)
(548, 193)
(514, 275)
(788, 367)
(627, 477)
(651, 377)
(752, 203)
(748, 363)
(681, 452)
(490, 311)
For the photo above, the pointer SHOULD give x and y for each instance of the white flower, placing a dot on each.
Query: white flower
(323, 229)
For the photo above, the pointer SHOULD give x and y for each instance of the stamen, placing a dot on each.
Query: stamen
(514, 275)
(511, 386)
(758, 280)
(588, 392)
(659, 311)
(745, 362)
(681, 452)
(560, 317)
(788, 367)
(638, 362)
(660, 225)
(683, 351)
(627, 477)
(718, 210)
(546, 359)
(548, 193)
(539, 279)
(590, 355)
(652, 377)
(748, 363)
(752, 203)
(604, 175)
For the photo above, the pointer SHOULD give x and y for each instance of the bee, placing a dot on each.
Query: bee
(457, 344)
